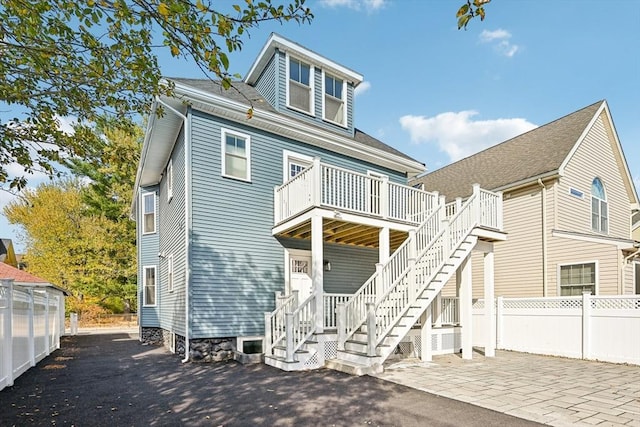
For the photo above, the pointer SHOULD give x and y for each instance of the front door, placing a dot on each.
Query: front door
(300, 276)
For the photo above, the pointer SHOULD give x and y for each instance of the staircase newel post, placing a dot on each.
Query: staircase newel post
(477, 204)
(289, 334)
(499, 208)
(341, 324)
(296, 299)
(385, 202)
(379, 285)
(278, 295)
(267, 334)
(412, 285)
(446, 238)
(371, 329)
(316, 185)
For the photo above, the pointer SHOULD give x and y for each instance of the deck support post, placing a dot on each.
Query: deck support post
(289, 334)
(464, 288)
(489, 304)
(317, 270)
(426, 352)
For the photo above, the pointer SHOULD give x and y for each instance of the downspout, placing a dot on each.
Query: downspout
(543, 194)
(187, 228)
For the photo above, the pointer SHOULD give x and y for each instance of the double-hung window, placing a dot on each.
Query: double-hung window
(236, 155)
(577, 278)
(300, 87)
(334, 104)
(599, 207)
(149, 285)
(149, 213)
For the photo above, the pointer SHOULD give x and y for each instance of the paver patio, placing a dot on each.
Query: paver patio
(550, 390)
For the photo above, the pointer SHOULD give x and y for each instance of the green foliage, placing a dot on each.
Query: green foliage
(95, 60)
(470, 10)
(78, 232)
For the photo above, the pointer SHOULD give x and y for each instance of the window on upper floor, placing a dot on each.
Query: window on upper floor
(300, 87)
(294, 163)
(577, 278)
(599, 207)
(334, 100)
(170, 180)
(149, 285)
(149, 213)
(236, 155)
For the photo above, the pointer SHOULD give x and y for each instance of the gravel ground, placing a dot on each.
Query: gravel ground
(111, 379)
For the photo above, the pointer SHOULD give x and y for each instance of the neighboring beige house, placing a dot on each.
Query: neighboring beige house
(567, 195)
(635, 226)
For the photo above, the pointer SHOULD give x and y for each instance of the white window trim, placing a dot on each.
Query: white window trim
(155, 214)
(312, 81)
(344, 100)
(292, 155)
(559, 288)
(170, 273)
(144, 285)
(605, 200)
(170, 180)
(223, 143)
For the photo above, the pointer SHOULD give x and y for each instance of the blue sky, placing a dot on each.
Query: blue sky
(439, 94)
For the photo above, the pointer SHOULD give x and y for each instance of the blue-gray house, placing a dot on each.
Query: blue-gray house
(291, 233)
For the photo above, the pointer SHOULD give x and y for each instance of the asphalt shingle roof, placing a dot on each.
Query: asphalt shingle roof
(19, 276)
(243, 93)
(534, 153)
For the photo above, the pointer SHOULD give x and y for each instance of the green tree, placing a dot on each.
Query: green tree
(95, 60)
(78, 232)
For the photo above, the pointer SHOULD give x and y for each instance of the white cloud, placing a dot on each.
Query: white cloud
(362, 88)
(458, 135)
(500, 41)
(368, 5)
(489, 36)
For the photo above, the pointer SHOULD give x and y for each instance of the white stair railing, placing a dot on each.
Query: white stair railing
(300, 325)
(275, 322)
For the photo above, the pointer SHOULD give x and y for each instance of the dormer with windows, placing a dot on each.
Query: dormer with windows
(305, 85)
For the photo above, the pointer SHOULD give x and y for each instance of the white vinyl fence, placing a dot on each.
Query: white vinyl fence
(31, 322)
(605, 328)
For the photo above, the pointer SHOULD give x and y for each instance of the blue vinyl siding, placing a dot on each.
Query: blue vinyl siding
(171, 227)
(266, 83)
(147, 256)
(236, 263)
(281, 82)
(351, 266)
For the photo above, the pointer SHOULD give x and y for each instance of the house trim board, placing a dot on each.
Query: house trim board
(618, 243)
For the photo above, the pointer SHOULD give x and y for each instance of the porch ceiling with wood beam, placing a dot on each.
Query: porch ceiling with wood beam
(346, 233)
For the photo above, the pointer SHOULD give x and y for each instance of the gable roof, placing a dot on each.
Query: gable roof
(21, 277)
(539, 153)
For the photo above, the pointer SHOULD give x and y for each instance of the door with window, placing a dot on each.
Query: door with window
(300, 275)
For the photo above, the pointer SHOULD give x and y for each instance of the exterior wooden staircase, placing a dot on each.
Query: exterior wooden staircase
(372, 323)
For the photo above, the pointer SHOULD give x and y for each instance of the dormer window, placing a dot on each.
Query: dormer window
(300, 88)
(334, 108)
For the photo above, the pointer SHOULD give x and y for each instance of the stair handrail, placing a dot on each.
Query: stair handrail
(395, 302)
(300, 326)
(275, 322)
(386, 274)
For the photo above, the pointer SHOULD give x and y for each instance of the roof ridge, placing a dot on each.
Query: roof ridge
(538, 128)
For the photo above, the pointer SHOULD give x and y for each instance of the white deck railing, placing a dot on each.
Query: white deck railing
(322, 185)
(330, 305)
(30, 328)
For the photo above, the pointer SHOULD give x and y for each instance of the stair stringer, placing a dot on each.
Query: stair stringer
(413, 312)
(307, 357)
(424, 300)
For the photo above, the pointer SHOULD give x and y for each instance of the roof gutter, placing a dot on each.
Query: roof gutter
(187, 218)
(529, 181)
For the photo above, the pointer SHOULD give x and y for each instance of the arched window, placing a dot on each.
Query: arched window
(599, 208)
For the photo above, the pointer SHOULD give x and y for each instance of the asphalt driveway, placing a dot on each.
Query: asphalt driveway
(111, 379)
